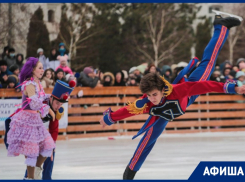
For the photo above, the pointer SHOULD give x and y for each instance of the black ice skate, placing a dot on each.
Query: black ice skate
(128, 174)
(228, 22)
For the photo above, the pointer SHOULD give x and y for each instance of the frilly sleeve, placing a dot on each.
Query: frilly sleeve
(46, 97)
(44, 110)
(36, 104)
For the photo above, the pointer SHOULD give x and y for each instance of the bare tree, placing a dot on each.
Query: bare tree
(80, 19)
(235, 33)
(163, 32)
(14, 30)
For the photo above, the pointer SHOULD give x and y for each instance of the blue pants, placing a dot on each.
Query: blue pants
(47, 168)
(201, 73)
(7, 123)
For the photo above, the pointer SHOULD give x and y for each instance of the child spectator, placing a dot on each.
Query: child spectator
(42, 58)
(60, 75)
(15, 70)
(240, 76)
(47, 80)
(63, 64)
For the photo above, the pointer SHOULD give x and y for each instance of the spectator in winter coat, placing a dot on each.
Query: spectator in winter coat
(63, 64)
(4, 73)
(42, 58)
(10, 58)
(240, 76)
(59, 75)
(19, 61)
(88, 78)
(216, 76)
(241, 64)
(119, 79)
(15, 70)
(62, 50)
(227, 73)
(12, 81)
(151, 69)
(53, 61)
(167, 72)
(108, 79)
(5, 52)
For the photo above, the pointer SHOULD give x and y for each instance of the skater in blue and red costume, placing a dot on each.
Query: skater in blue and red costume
(164, 102)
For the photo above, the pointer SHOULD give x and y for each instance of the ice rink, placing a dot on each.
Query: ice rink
(174, 156)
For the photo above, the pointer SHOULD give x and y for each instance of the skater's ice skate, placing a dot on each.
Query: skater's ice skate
(228, 22)
(228, 14)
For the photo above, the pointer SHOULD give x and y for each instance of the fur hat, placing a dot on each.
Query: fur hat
(63, 58)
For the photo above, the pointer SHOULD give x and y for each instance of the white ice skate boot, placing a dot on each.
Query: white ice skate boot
(38, 173)
(228, 14)
(228, 22)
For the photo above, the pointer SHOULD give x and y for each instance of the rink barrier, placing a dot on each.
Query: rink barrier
(210, 113)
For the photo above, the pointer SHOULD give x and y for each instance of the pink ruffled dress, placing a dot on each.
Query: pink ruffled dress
(27, 134)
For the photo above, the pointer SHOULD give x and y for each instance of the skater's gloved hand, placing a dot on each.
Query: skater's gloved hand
(47, 118)
(102, 122)
(51, 112)
(240, 90)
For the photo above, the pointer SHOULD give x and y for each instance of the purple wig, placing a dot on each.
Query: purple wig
(26, 71)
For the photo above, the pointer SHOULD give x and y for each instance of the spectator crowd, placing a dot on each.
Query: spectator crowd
(56, 68)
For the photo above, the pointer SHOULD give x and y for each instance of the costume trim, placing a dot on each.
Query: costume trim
(107, 117)
(214, 54)
(168, 87)
(134, 109)
(229, 87)
(60, 113)
(141, 149)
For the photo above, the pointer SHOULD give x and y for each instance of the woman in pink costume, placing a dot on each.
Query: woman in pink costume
(27, 134)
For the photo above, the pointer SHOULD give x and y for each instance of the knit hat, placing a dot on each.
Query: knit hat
(142, 68)
(3, 62)
(63, 58)
(13, 68)
(239, 60)
(125, 73)
(239, 73)
(61, 44)
(132, 69)
(182, 64)
(39, 50)
(87, 70)
(12, 79)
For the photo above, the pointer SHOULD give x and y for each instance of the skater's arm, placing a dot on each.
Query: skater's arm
(36, 103)
(111, 117)
(140, 106)
(202, 87)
